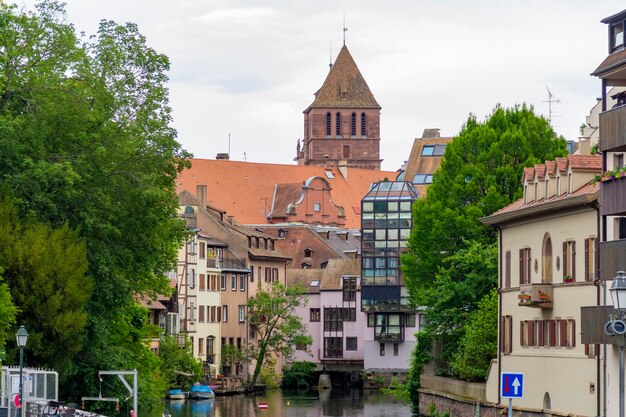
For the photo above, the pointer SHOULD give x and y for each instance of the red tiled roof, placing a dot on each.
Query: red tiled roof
(528, 174)
(551, 168)
(585, 161)
(245, 189)
(561, 164)
(540, 170)
(345, 86)
(615, 59)
(284, 195)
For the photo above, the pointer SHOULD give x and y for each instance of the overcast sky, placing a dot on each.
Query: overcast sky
(249, 68)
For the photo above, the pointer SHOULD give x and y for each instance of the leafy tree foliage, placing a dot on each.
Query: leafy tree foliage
(479, 174)
(85, 141)
(178, 363)
(299, 375)
(46, 272)
(279, 329)
(480, 342)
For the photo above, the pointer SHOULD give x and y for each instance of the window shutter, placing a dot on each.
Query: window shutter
(521, 266)
(502, 322)
(574, 261)
(563, 333)
(565, 271)
(531, 333)
(507, 270)
(541, 341)
(521, 333)
(573, 333)
(510, 337)
(528, 265)
(587, 276)
(596, 261)
(202, 282)
(552, 324)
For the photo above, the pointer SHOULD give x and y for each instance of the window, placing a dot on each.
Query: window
(191, 278)
(212, 315)
(617, 35)
(338, 124)
(268, 274)
(223, 283)
(202, 250)
(546, 259)
(251, 273)
(351, 343)
(382, 349)
(201, 314)
(618, 160)
(433, 150)
(315, 283)
(506, 334)
(396, 349)
(274, 274)
(225, 314)
(569, 261)
(218, 314)
(202, 282)
(370, 320)
(233, 282)
(590, 259)
(210, 349)
(353, 125)
(346, 151)
(242, 282)
(314, 314)
(328, 124)
(306, 265)
(410, 320)
(317, 207)
(282, 233)
(349, 289)
(192, 311)
(363, 120)
(308, 253)
(200, 346)
(422, 179)
(524, 266)
(333, 347)
(242, 314)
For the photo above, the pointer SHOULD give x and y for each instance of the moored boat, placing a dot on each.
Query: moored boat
(201, 392)
(175, 394)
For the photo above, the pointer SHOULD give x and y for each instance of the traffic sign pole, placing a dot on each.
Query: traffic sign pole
(510, 407)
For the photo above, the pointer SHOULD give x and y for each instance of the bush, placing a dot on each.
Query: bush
(299, 375)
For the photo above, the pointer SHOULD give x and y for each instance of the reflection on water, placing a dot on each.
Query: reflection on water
(332, 403)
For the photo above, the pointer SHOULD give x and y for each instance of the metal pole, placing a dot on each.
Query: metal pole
(135, 393)
(511, 407)
(621, 381)
(19, 410)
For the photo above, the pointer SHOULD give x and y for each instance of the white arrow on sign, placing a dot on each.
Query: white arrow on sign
(515, 385)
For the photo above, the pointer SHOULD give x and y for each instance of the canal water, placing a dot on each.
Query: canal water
(335, 403)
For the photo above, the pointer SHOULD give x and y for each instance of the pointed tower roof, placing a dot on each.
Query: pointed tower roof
(345, 86)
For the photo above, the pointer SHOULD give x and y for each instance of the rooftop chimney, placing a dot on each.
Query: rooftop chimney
(201, 195)
(430, 133)
(343, 168)
(222, 155)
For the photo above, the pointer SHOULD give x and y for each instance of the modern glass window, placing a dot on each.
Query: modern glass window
(223, 282)
(349, 289)
(225, 314)
(242, 282)
(242, 314)
(433, 150)
(422, 179)
(233, 279)
(351, 343)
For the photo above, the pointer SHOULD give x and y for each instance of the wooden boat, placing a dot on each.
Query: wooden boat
(201, 392)
(175, 394)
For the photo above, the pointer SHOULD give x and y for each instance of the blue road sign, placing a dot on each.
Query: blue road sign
(512, 385)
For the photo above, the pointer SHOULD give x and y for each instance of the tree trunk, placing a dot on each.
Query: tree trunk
(259, 365)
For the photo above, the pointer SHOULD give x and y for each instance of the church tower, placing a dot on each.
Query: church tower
(342, 125)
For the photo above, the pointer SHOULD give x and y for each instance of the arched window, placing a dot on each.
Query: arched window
(353, 125)
(363, 120)
(328, 124)
(338, 124)
(546, 259)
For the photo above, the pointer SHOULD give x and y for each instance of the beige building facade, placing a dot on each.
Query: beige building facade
(547, 271)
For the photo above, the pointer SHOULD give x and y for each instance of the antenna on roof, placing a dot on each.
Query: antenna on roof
(245, 157)
(345, 29)
(229, 144)
(551, 99)
(330, 61)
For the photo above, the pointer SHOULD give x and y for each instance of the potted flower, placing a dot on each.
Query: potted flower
(568, 279)
(543, 296)
(524, 297)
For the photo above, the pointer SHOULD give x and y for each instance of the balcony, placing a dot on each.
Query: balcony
(613, 197)
(233, 264)
(613, 130)
(536, 295)
(612, 258)
(389, 334)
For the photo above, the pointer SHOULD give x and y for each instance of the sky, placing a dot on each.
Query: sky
(246, 69)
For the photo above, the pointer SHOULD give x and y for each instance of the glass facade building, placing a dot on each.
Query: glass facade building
(385, 226)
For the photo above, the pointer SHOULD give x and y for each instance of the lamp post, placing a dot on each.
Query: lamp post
(22, 337)
(618, 295)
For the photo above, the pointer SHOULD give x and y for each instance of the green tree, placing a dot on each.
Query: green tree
(479, 174)
(86, 141)
(179, 366)
(46, 271)
(479, 344)
(271, 314)
(299, 375)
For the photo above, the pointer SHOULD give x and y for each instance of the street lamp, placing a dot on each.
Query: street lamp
(22, 337)
(618, 327)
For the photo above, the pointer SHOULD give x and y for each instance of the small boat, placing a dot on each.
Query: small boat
(175, 394)
(201, 392)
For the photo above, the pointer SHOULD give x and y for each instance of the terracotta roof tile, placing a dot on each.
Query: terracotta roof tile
(551, 168)
(284, 195)
(561, 164)
(245, 189)
(336, 269)
(593, 162)
(305, 277)
(540, 170)
(345, 86)
(614, 60)
(529, 172)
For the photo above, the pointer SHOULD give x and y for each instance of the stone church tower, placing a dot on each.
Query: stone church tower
(342, 125)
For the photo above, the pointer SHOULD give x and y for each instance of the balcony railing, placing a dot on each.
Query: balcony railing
(612, 258)
(390, 334)
(613, 197)
(233, 264)
(333, 353)
(613, 130)
(536, 295)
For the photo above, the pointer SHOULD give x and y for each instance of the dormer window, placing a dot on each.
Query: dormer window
(282, 233)
(570, 183)
(306, 265)
(433, 150)
(308, 252)
(616, 31)
(525, 194)
(558, 186)
(547, 188)
(536, 191)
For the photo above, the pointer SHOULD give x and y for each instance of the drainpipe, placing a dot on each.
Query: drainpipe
(500, 311)
(599, 390)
